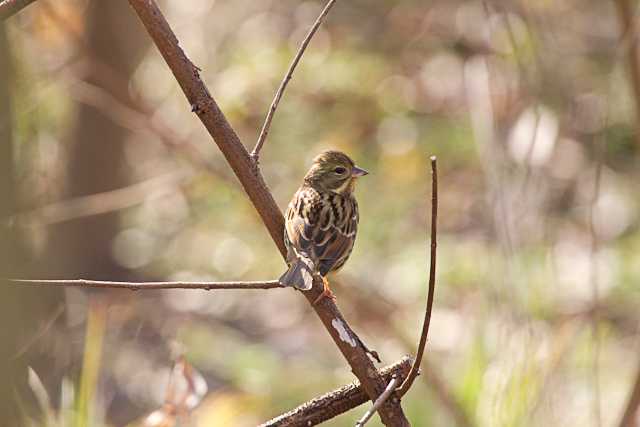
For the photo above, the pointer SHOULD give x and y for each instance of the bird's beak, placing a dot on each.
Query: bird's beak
(357, 172)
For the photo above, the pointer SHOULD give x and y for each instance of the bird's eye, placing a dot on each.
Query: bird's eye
(339, 170)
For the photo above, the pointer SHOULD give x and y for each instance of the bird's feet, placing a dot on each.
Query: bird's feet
(326, 292)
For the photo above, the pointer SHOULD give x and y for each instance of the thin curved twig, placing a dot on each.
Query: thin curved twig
(379, 401)
(415, 368)
(137, 286)
(255, 154)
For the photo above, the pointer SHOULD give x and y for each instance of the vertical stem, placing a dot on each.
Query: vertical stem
(415, 369)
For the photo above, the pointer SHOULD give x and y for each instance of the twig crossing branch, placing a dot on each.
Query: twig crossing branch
(255, 154)
(336, 402)
(379, 401)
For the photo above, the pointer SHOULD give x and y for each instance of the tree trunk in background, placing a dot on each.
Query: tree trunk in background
(82, 247)
(78, 248)
(22, 309)
(9, 252)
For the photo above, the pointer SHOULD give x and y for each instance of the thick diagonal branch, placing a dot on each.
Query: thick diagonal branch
(198, 96)
(336, 402)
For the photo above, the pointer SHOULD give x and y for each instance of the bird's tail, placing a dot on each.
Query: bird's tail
(299, 275)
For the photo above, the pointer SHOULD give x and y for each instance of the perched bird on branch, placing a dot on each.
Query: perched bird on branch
(321, 222)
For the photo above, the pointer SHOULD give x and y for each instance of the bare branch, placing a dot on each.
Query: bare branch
(379, 401)
(276, 100)
(415, 369)
(336, 402)
(246, 170)
(137, 286)
(8, 8)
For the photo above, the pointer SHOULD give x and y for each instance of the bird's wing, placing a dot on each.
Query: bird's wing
(301, 221)
(337, 241)
(322, 228)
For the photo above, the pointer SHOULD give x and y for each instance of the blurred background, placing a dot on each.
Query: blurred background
(530, 106)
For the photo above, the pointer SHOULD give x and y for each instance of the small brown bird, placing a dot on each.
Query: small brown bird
(321, 221)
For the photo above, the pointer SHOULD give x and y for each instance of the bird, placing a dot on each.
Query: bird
(321, 222)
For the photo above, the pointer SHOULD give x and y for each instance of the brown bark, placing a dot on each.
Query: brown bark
(335, 402)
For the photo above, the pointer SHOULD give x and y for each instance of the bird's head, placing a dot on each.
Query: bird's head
(334, 171)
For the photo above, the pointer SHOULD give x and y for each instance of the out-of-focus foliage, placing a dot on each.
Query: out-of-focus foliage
(528, 107)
